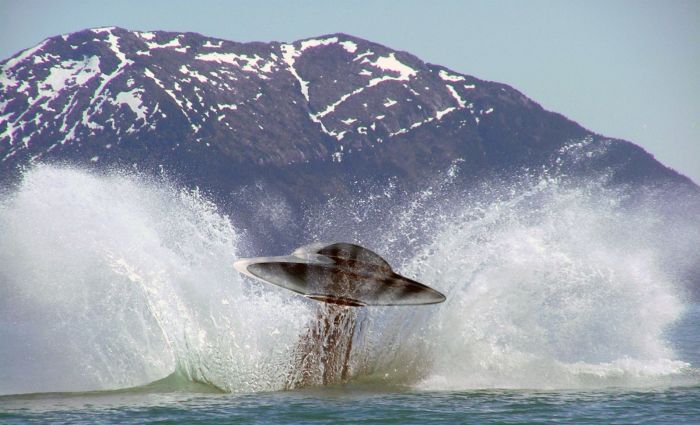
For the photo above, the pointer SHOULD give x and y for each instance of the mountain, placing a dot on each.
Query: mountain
(225, 110)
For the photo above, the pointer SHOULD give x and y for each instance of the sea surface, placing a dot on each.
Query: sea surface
(565, 303)
(352, 405)
(368, 403)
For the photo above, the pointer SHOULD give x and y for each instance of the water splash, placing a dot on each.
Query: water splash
(115, 280)
(112, 281)
(551, 285)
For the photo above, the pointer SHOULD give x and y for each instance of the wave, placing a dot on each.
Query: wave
(176, 383)
(550, 285)
(115, 280)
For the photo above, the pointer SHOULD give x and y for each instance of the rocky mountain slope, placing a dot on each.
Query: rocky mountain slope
(216, 111)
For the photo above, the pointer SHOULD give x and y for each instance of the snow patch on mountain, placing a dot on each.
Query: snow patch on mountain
(446, 76)
(461, 102)
(8, 81)
(113, 42)
(363, 55)
(194, 74)
(349, 46)
(316, 42)
(146, 35)
(289, 55)
(254, 64)
(211, 45)
(440, 114)
(174, 43)
(133, 100)
(390, 63)
(68, 73)
(331, 108)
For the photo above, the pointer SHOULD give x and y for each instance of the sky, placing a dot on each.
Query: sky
(627, 69)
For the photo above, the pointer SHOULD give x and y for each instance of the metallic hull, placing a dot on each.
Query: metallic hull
(340, 273)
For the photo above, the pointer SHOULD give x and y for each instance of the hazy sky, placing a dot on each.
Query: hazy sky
(623, 68)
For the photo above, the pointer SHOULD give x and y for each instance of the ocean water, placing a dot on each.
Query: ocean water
(566, 303)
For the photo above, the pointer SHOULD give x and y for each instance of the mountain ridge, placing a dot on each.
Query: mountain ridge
(162, 99)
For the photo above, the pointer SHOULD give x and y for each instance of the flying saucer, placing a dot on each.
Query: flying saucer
(339, 273)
